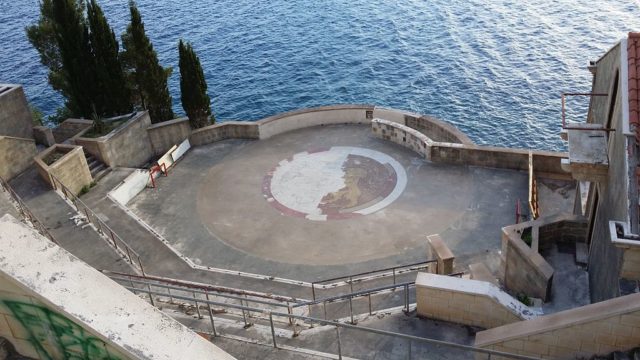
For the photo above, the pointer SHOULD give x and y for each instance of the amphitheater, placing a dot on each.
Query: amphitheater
(344, 231)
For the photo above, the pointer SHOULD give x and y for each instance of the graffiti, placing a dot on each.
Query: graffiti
(56, 337)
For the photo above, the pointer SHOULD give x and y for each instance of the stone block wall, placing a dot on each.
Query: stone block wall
(402, 135)
(166, 134)
(71, 169)
(631, 263)
(127, 146)
(524, 269)
(225, 130)
(16, 155)
(595, 329)
(15, 116)
(43, 135)
(71, 128)
(54, 306)
(468, 302)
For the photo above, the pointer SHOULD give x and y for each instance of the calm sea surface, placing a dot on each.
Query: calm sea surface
(495, 69)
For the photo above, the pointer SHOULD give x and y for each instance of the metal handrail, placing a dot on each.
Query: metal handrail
(26, 212)
(129, 254)
(338, 325)
(356, 294)
(203, 287)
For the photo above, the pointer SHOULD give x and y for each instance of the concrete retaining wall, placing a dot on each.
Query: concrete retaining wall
(54, 306)
(402, 135)
(16, 155)
(166, 134)
(327, 115)
(71, 169)
(15, 116)
(464, 301)
(225, 130)
(126, 146)
(71, 128)
(595, 329)
(43, 135)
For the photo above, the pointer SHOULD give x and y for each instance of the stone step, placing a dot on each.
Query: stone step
(97, 169)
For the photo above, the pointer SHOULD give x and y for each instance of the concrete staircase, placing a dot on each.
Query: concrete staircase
(97, 168)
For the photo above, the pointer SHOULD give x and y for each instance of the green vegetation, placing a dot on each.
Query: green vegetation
(36, 115)
(82, 57)
(97, 80)
(101, 128)
(85, 189)
(146, 76)
(523, 298)
(193, 88)
(113, 97)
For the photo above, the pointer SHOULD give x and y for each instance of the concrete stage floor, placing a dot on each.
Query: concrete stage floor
(325, 201)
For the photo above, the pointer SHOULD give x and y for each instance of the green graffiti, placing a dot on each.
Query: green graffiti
(56, 337)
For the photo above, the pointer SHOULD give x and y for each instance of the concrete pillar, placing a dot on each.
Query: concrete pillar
(442, 253)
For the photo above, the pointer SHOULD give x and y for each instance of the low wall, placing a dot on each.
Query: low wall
(496, 157)
(402, 135)
(16, 155)
(595, 329)
(15, 115)
(71, 128)
(126, 146)
(166, 134)
(54, 306)
(326, 115)
(436, 130)
(225, 130)
(524, 269)
(131, 186)
(71, 169)
(43, 135)
(468, 302)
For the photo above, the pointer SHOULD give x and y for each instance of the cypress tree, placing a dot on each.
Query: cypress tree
(113, 95)
(61, 37)
(72, 35)
(193, 88)
(148, 78)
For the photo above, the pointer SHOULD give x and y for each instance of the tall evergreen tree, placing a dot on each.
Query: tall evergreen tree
(193, 87)
(78, 65)
(148, 78)
(113, 95)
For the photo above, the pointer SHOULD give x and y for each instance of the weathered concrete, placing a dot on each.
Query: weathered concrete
(166, 134)
(43, 135)
(442, 253)
(44, 289)
(612, 201)
(15, 116)
(128, 145)
(71, 169)
(71, 128)
(468, 302)
(230, 193)
(225, 130)
(16, 155)
(595, 329)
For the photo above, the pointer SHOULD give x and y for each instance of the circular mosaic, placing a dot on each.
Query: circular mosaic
(334, 183)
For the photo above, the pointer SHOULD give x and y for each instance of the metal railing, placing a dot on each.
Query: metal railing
(292, 318)
(110, 236)
(351, 279)
(24, 211)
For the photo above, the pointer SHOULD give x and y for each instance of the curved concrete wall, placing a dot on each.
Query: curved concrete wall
(326, 115)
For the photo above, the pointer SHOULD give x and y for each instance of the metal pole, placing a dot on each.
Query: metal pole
(244, 316)
(197, 307)
(150, 296)
(171, 297)
(339, 343)
(406, 298)
(128, 254)
(394, 276)
(369, 303)
(313, 291)
(351, 310)
(113, 239)
(141, 268)
(351, 283)
(273, 331)
(409, 348)
(290, 311)
(213, 325)
(324, 306)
